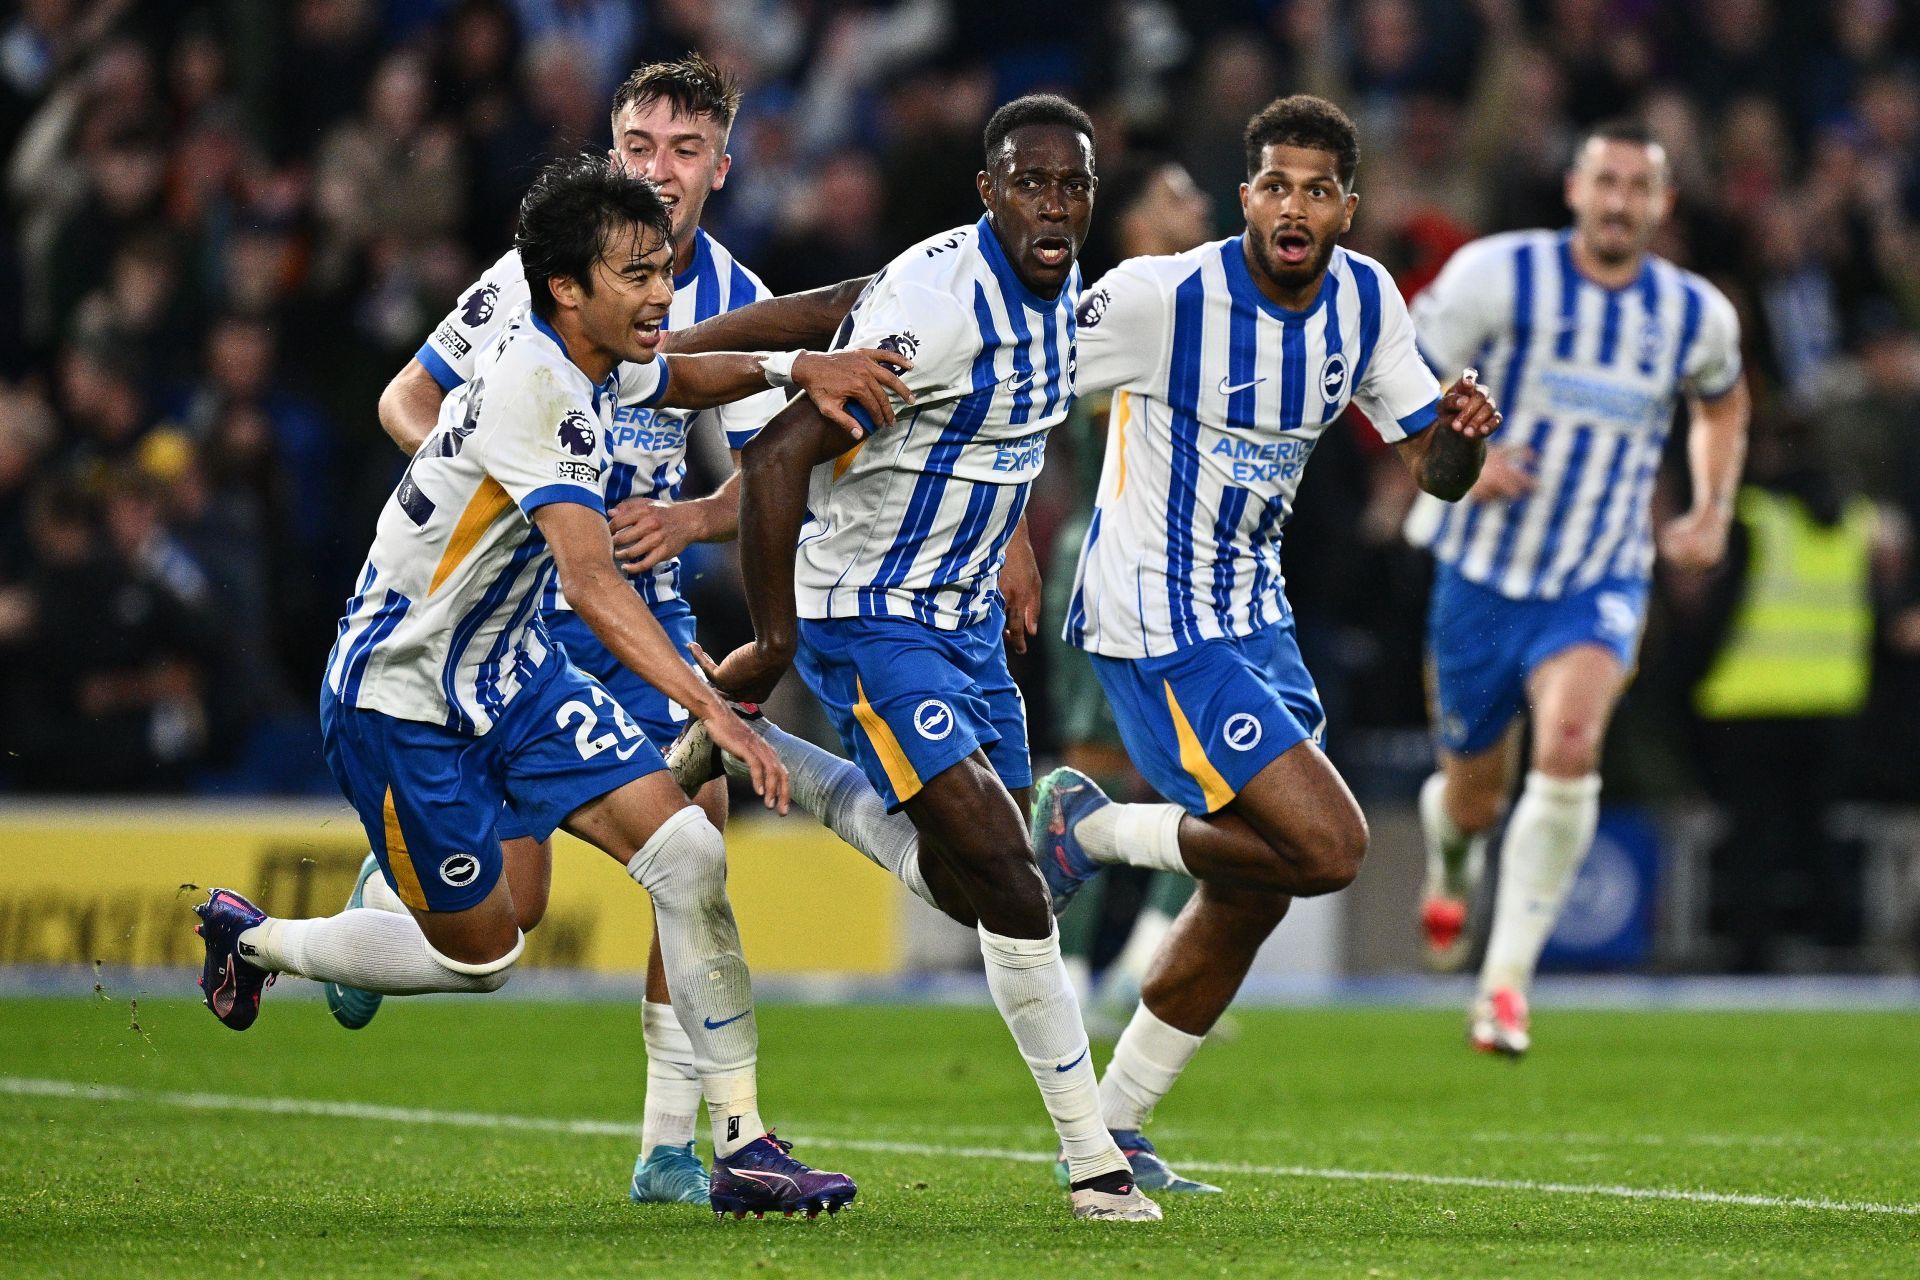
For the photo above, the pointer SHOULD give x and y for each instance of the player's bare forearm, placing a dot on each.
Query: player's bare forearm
(774, 473)
(613, 611)
(1716, 451)
(720, 510)
(715, 378)
(1717, 447)
(1446, 458)
(794, 320)
(410, 407)
(1451, 464)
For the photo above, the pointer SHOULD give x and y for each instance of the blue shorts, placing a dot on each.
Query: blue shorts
(658, 716)
(1200, 722)
(1483, 646)
(910, 701)
(430, 798)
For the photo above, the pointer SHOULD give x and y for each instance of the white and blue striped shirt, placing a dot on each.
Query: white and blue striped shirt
(444, 626)
(1587, 379)
(914, 521)
(648, 445)
(1220, 396)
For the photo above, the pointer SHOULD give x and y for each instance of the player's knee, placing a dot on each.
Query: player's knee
(685, 864)
(1334, 855)
(484, 974)
(1566, 749)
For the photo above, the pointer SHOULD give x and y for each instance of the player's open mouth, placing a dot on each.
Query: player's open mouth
(1052, 251)
(647, 331)
(1294, 247)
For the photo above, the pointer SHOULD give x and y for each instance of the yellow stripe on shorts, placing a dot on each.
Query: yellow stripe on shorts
(900, 771)
(405, 882)
(1193, 757)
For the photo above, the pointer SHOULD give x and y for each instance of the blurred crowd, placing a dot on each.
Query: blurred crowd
(227, 224)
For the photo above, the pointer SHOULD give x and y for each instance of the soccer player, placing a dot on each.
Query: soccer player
(1229, 361)
(445, 698)
(898, 625)
(1540, 590)
(670, 124)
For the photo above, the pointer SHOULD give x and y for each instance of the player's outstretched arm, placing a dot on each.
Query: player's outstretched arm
(865, 377)
(1716, 452)
(410, 407)
(795, 320)
(774, 472)
(1446, 458)
(648, 531)
(583, 554)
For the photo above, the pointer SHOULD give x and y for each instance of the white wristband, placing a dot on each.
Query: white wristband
(778, 367)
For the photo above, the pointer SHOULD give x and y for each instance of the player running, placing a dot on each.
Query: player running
(445, 698)
(670, 124)
(1540, 590)
(1228, 362)
(898, 624)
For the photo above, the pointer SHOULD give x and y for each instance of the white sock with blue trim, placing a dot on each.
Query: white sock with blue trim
(1030, 988)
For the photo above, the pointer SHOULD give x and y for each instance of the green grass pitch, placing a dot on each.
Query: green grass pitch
(1806, 1127)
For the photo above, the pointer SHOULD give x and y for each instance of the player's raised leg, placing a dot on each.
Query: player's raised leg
(1573, 695)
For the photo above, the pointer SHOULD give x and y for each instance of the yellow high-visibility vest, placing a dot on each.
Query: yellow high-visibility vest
(1801, 640)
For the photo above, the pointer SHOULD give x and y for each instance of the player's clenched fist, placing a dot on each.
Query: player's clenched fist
(1468, 409)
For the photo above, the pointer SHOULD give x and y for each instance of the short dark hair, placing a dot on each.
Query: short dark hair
(1305, 121)
(692, 85)
(1621, 129)
(1035, 108)
(568, 213)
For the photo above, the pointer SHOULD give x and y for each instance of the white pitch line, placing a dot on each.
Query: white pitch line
(28, 1087)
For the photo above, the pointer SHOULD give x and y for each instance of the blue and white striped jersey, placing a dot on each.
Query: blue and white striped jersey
(445, 624)
(1220, 396)
(913, 522)
(1586, 378)
(649, 446)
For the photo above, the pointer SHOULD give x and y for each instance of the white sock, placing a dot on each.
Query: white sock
(1030, 988)
(837, 793)
(378, 895)
(673, 1086)
(1547, 838)
(1138, 835)
(372, 950)
(1454, 858)
(684, 867)
(1149, 1058)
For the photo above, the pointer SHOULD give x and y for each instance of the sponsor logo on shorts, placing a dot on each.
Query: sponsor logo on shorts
(1242, 731)
(933, 720)
(1618, 617)
(460, 869)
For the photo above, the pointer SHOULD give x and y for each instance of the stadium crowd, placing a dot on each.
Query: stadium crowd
(227, 224)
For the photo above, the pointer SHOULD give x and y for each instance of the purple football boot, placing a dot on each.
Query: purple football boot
(761, 1178)
(230, 985)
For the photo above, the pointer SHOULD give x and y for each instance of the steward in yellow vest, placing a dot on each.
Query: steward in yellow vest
(1801, 638)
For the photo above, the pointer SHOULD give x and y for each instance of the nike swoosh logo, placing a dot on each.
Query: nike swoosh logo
(1016, 382)
(1226, 390)
(715, 1026)
(1076, 1062)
